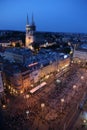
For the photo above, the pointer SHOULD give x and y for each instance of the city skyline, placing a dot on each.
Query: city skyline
(54, 15)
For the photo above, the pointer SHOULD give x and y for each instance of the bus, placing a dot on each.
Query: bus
(43, 84)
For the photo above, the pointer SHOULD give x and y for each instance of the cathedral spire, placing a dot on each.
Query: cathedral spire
(33, 19)
(27, 20)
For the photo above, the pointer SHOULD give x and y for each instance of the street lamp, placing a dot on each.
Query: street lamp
(27, 97)
(42, 107)
(58, 70)
(27, 112)
(82, 77)
(62, 102)
(84, 121)
(4, 106)
(74, 89)
(74, 86)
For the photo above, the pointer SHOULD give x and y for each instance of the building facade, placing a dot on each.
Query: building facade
(30, 33)
(80, 54)
(19, 79)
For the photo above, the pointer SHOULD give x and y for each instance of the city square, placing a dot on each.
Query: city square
(51, 107)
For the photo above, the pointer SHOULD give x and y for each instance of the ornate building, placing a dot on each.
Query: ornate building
(30, 33)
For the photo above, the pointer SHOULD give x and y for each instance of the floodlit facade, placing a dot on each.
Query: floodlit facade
(80, 54)
(20, 79)
(30, 33)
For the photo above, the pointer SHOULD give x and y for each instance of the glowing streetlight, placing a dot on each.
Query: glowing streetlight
(42, 108)
(58, 70)
(62, 102)
(27, 112)
(27, 97)
(4, 106)
(84, 121)
(74, 89)
(21, 92)
(74, 86)
(82, 77)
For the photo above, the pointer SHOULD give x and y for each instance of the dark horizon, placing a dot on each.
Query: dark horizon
(44, 31)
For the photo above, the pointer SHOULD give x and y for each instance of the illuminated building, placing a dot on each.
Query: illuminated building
(80, 54)
(5, 44)
(30, 33)
(26, 69)
(16, 78)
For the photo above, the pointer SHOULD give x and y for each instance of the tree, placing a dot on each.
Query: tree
(67, 50)
(17, 44)
(35, 45)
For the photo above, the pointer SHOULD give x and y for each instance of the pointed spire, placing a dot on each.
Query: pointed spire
(27, 20)
(33, 20)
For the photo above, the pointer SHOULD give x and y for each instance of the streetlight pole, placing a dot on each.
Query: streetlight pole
(42, 109)
(82, 78)
(62, 102)
(27, 112)
(74, 89)
(27, 97)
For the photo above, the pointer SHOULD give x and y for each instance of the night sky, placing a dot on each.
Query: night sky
(49, 15)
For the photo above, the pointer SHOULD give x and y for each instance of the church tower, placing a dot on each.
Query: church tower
(30, 33)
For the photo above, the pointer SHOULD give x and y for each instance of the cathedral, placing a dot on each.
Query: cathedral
(30, 33)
